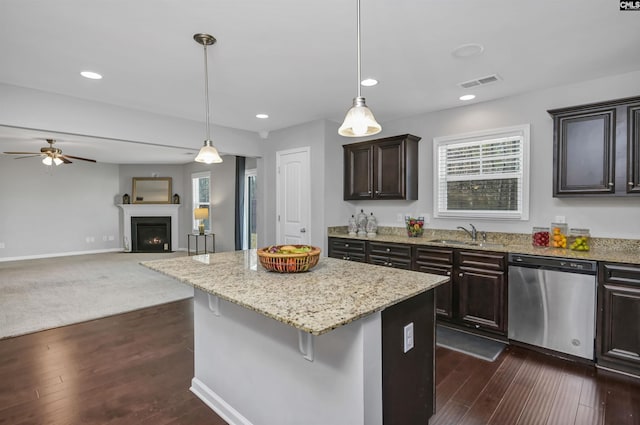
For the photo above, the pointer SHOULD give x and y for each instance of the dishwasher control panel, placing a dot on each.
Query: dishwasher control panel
(555, 263)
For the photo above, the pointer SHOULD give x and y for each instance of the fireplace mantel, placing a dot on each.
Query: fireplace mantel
(149, 210)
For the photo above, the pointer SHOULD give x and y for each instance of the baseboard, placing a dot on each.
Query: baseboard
(59, 254)
(217, 404)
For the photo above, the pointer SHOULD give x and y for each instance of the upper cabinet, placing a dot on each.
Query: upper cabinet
(382, 168)
(596, 149)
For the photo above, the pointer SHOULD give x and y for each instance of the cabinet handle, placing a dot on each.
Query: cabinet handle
(377, 192)
(610, 184)
(477, 326)
(630, 183)
(388, 249)
(461, 274)
(346, 245)
(369, 192)
(448, 273)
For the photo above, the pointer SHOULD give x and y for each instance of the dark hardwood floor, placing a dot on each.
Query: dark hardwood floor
(136, 368)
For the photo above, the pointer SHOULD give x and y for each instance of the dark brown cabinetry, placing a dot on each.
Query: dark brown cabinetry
(347, 249)
(595, 149)
(382, 168)
(481, 281)
(439, 261)
(618, 342)
(390, 255)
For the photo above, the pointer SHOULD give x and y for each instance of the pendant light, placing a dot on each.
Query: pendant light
(208, 153)
(359, 120)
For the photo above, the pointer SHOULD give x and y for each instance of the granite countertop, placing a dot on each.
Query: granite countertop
(332, 294)
(613, 250)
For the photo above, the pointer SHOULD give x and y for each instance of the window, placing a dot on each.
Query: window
(201, 191)
(483, 174)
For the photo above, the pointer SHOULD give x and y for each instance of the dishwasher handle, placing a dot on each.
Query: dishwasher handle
(570, 265)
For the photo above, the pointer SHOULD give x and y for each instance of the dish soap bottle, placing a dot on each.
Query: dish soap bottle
(372, 226)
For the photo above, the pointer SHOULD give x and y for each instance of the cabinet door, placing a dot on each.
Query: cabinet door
(584, 152)
(633, 149)
(619, 317)
(358, 172)
(389, 182)
(482, 299)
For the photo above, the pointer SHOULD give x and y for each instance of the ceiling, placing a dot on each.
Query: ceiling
(296, 60)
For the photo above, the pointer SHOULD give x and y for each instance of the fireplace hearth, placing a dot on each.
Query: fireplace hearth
(150, 234)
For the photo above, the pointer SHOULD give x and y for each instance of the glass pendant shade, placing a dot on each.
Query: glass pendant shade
(359, 121)
(47, 160)
(57, 161)
(208, 154)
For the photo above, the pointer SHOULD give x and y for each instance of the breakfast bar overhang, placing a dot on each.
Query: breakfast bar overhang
(345, 343)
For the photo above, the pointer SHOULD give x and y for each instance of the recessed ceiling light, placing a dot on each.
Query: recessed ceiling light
(467, 50)
(369, 82)
(262, 116)
(468, 97)
(91, 75)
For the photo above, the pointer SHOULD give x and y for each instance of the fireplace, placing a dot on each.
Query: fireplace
(154, 212)
(150, 234)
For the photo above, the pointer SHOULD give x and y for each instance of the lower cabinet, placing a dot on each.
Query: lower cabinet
(618, 325)
(348, 249)
(436, 260)
(476, 296)
(481, 282)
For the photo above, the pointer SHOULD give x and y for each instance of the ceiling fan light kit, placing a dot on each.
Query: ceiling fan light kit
(359, 120)
(208, 153)
(52, 156)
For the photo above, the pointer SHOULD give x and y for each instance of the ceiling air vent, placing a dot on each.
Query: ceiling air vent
(480, 81)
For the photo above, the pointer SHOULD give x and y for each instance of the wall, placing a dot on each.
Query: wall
(606, 217)
(223, 195)
(53, 210)
(312, 135)
(28, 108)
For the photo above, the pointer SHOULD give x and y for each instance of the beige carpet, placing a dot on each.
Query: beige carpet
(47, 293)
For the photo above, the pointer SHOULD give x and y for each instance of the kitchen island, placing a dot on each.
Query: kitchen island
(329, 346)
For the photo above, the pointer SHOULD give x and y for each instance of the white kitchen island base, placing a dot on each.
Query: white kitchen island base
(249, 369)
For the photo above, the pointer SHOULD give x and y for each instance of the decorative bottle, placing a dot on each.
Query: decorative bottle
(361, 220)
(372, 226)
(353, 226)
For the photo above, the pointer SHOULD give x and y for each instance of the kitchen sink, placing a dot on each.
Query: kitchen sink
(466, 243)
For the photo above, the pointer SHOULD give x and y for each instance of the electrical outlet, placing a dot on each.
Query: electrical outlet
(1, 245)
(88, 239)
(408, 337)
(111, 237)
(560, 219)
(400, 218)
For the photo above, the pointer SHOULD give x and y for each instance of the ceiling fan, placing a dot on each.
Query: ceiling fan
(51, 155)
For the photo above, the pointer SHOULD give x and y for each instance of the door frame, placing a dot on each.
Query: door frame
(279, 154)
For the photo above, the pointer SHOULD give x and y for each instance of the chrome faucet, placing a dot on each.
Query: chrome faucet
(473, 233)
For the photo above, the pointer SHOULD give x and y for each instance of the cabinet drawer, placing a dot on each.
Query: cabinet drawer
(482, 260)
(399, 251)
(620, 274)
(385, 260)
(429, 256)
(347, 245)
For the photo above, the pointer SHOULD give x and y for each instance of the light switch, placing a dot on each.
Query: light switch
(408, 337)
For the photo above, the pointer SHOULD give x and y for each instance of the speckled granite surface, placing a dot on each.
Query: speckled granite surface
(332, 294)
(602, 249)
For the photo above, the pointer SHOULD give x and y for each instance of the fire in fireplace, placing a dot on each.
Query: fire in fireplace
(150, 234)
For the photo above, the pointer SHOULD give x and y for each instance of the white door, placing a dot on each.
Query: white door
(293, 182)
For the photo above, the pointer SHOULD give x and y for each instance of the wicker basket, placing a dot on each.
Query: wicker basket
(289, 263)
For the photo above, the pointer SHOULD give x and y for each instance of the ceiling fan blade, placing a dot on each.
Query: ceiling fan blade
(64, 159)
(28, 156)
(22, 153)
(77, 157)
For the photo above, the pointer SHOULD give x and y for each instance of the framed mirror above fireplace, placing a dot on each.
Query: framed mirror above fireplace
(152, 190)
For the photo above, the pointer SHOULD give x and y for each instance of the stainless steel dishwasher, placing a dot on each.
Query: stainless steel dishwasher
(552, 303)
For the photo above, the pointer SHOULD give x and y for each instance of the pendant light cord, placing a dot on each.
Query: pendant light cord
(206, 89)
(358, 30)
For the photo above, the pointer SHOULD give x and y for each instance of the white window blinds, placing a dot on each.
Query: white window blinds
(482, 175)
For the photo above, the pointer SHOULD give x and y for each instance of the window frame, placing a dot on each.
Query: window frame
(195, 202)
(521, 131)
